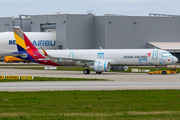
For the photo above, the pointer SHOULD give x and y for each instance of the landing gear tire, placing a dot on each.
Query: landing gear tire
(163, 72)
(98, 72)
(86, 71)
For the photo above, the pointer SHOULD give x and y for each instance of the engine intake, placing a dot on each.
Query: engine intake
(100, 66)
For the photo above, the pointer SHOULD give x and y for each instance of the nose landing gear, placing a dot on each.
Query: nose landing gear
(86, 71)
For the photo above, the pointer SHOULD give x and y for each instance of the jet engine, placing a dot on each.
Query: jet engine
(100, 66)
(119, 68)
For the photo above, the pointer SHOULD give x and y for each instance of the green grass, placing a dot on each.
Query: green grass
(67, 68)
(149, 68)
(21, 64)
(124, 104)
(53, 79)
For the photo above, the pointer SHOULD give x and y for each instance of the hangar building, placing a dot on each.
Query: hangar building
(87, 31)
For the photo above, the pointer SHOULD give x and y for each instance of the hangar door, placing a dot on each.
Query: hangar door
(47, 26)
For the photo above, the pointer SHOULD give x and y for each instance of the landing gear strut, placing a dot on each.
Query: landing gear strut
(157, 69)
(86, 71)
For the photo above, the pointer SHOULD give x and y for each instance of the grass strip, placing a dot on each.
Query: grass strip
(21, 64)
(52, 79)
(148, 68)
(66, 68)
(119, 104)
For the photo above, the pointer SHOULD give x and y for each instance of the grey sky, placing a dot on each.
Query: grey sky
(10, 8)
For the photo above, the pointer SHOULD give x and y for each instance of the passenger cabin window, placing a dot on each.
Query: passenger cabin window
(166, 54)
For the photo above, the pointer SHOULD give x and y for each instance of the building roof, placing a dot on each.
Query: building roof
(170, 46)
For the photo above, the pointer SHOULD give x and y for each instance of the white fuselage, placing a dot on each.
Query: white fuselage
(116, 57)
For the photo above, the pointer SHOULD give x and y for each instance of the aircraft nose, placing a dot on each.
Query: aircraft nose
(175, 60)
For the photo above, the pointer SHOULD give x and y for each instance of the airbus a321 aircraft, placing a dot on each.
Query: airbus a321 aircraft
(98, 60)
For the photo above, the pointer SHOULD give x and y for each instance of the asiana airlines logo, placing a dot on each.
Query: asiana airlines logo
(37, 42)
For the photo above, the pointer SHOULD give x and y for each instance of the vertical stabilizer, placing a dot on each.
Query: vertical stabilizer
(27, 51)
(19, 37)
(22, 41)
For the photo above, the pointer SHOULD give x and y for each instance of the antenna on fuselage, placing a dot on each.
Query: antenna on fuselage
(100, 47)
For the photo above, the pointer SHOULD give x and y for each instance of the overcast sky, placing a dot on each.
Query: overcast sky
(9, 8)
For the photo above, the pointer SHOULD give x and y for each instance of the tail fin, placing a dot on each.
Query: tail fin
(44, 52)
(22, 41)
(26, 50)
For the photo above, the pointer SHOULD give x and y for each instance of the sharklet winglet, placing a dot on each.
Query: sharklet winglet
(45, 53)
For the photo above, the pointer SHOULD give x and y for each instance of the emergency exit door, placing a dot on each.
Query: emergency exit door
(155, 55)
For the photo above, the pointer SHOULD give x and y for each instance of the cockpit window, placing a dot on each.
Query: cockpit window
(166, 54)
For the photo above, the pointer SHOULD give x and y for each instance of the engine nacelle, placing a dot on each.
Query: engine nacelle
(119, 68)
(100, 66)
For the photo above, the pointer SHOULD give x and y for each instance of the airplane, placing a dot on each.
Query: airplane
(47, 40)
(98, 60)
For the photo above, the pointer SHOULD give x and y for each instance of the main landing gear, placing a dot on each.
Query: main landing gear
(98, 72)
(86, 71)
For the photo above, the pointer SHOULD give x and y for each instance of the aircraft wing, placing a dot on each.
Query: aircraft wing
(83, 60)
(80, 60)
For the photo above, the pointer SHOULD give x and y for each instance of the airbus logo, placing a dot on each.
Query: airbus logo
(38, 42)
(44, 43)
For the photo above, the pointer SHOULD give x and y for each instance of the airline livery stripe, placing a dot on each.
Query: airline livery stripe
(20, 41)
(20, 48)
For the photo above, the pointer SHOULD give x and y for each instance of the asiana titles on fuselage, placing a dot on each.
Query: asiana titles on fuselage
(144, 56)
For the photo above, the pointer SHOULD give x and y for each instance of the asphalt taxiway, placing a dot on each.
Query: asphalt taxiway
(89, 85)
(116, 76)
(117, 81)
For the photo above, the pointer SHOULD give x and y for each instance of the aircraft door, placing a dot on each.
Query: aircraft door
(100, 55)
(71, 55)
(70, 62)
(142, 61)
(155, 55)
